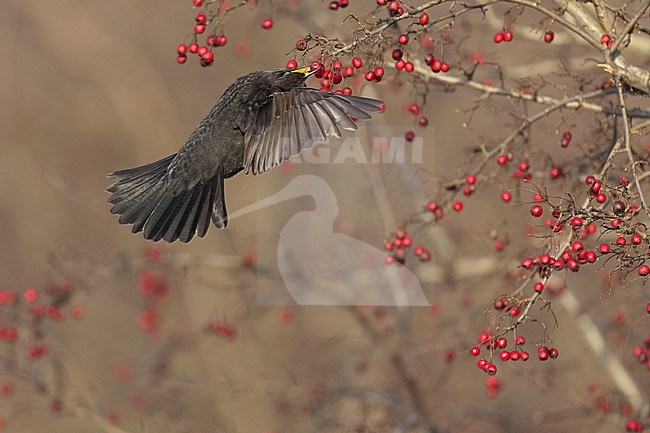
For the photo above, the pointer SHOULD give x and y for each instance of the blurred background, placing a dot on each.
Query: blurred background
(92, 87)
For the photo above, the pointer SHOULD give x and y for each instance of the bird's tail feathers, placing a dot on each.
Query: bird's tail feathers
(143, 197)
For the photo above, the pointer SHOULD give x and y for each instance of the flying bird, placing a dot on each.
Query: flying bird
(262, 119)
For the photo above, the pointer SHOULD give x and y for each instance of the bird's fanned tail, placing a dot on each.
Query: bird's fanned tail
(144, 197)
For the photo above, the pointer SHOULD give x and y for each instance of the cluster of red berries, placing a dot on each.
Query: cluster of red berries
(222, 329)
(334, 5)
(503, 36)
(422, 121)
(400, 63)
(634, 425)
(204, 52)
(522, 171)
(506, 304)
(398, 246)
(332, 76)
(436, 65)
(394, 8)
(607, 40)
(375, 75)
(215, 38)
(152, 285)
(571, 259)
(500, 344)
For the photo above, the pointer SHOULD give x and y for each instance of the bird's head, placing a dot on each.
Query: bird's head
(287, 79)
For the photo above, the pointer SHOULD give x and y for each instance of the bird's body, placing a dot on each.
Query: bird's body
(262, 119)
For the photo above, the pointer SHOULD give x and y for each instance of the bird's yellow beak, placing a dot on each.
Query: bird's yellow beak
(305, 71)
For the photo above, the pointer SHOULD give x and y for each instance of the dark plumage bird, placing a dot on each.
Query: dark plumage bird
(262, 119)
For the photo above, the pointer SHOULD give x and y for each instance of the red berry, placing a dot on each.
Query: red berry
(549, 36)
(538, 287)
(542, 353)
(267, 24)
(520, 340)
(30, 295)
(601, 198)
(605, 39)
(397, 54)
(208, 56)
(576, 222)
(409, 67)
(197, 3)
(182, 58)
(596, 186)
(501, 342)
(423, 121)
(379, 72)
(292, 64)
(301, 45)
(393, 6)
(200, 18)
(444, 68)
(577, 246)
(424, 19)
(527, 263)
(403, 39)
(414, 109)
(470, 179)
(432, 206)
(636, 239)
(643, 270)
(573, 265)
(634, 426)
(553, 353)
(498, 37)
(458, 206)
(400, 64)
(199, 28)
(502, 159)
(181, 49)
(193, 48)
(436, 65)
(370, 76)
(536, 211)
(409, 136)
(474, 351)
(484, 338)
(524, 356)
(507, 36)
(357, 62)
(591, 257)
(334, 5)
(589, 180)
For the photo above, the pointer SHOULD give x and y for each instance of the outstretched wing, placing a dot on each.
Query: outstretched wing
(296, 120)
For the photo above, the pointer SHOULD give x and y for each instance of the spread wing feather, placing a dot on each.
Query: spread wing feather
(295, 120)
